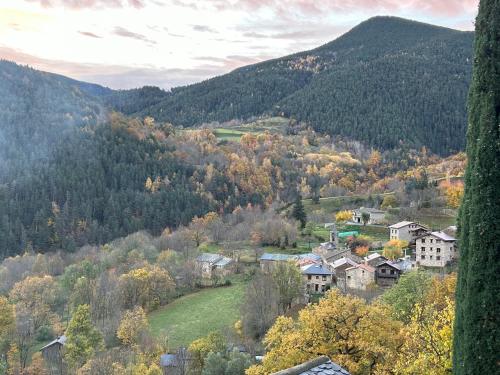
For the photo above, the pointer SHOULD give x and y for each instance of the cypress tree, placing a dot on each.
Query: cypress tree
(298, 212)
(477, 333)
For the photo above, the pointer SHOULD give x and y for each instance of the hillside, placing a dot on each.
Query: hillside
(343, 87)
(36, 110)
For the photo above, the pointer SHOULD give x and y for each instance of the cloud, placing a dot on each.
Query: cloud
(315, 7)
(82, 4)
(204, 29)
(126, 77)
(121, 31)
(89, 34)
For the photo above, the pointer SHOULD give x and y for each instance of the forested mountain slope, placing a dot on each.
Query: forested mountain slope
(92, 189)
(36, 110)
(386, 81)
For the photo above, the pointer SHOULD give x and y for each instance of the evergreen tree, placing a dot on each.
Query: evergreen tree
(298, 212)
(477, 332)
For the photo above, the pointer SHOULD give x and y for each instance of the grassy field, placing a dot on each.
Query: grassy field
(334, 204)
(228, 134)
(195, 315)
(233, 133)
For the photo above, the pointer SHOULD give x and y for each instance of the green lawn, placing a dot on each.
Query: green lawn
(228, 134)
(193, 316)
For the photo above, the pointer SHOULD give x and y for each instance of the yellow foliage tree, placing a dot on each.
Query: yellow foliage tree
(389, 201)
(148, 287)
(343, 216)
(6, 318)
(393, 249)
(133, 324)
(361, 337)
(200, 348)
(427, 347)
(453, 193)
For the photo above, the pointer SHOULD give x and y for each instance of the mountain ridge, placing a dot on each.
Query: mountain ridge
(428, 56)
(339, 88)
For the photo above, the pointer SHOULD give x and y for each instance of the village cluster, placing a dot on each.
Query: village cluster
(333, 265)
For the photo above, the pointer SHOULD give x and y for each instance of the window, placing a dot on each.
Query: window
(392, 272)
(324, 278)
(422, 257)
(308, 277)
(322, 288)
(438, 258)
(317, 277)
(348, 277)
(430, 257)
(382, 270)
(431, 240)
(438, 250)
(423, 240)
(422, 248)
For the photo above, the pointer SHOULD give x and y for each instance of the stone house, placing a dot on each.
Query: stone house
(360, 277)
(317, 277)
(52, 355)
(269, 260)
(435, 249)
(339, 267)
(210, 264)
(374, 259)
(406, 231)
(375, 216)
(387, 273)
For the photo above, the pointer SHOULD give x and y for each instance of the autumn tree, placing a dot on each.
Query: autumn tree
(83, 340)
(453, 193)
(6, 321)
(361, 337)
(393, 249)
(343, 216)
(148, 287)
(199, 349)
(133, 326)
(428, 335)
(389, 201)
(411, 289)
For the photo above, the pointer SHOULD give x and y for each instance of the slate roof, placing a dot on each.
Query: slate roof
(60, 340)
(390, 264)
(276, 257)
(285, 257)
(366, 267)
(342, 261)
(310, 256)
(316, 269)
(318, 366)
(209, 258)
(443, 236)
(223, 261)
(401, 224)
(168, 360)
(369, 210)
(374, 256)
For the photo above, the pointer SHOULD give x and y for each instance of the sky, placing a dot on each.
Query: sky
(131, 43)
